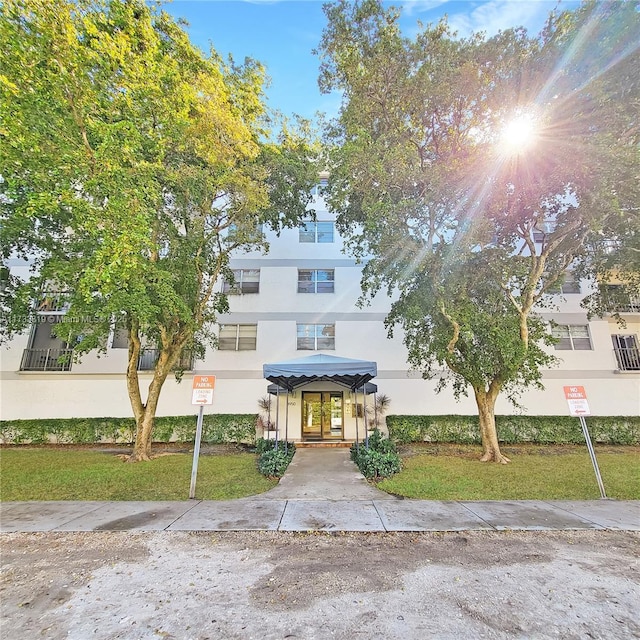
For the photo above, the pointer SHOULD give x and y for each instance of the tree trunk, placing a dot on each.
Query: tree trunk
(145, 422)
(142, 446)
(145, 413)
(486, 401)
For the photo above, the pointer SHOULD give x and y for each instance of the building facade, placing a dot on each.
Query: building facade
(300, 301)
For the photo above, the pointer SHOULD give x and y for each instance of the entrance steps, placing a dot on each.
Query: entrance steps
(324, 444)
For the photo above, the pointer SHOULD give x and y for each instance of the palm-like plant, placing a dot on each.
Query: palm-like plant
(264, 417)
(376, 412)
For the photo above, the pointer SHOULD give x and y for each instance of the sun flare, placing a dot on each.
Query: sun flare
(519, 133)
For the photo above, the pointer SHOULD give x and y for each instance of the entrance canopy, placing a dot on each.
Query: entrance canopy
(294, 373)
(369, 388)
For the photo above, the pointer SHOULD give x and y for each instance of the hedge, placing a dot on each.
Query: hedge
(515, 429)
(216, 429)
(380, 459)
(274, 457)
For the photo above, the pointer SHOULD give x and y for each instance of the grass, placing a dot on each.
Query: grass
(43, 473)
(454, 472)
(430, 472)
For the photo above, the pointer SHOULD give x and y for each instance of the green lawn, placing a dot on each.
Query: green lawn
(34, 473)
(430, 472)
(453, 472)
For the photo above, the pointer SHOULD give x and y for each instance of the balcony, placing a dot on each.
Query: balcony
(53, 301)
(631, 305)
(628, 358)
(148, 358)
(618, 301)
(46, 360)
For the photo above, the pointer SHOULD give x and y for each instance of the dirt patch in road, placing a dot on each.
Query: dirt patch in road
(135, 585)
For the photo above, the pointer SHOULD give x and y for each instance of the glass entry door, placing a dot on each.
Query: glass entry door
(322, 416)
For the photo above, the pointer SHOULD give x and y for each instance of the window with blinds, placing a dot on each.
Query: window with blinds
(237, 337)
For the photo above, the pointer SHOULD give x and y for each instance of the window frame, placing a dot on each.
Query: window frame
(564, 333)
(317, 336)
(627, 351)
(237, 338)
(569, 284)
(237, 288)
(303, 285)
(312, 229)
(319, 188)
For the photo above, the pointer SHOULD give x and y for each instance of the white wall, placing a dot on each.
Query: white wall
(96, 386)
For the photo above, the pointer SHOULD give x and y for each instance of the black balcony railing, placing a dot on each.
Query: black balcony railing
(628, 358)
(148, 358)
(53, 301)
(46, 360)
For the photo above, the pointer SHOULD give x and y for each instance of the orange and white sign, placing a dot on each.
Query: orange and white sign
(203, 389)
(577, 399)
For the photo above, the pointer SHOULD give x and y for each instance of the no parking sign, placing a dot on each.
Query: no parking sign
(579, 408)
(203, 389)
(577, 399)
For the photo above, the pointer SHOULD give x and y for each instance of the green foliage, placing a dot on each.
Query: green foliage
(623, 430)
(272, 461)
(405, 429)
(128, 156)
(470, 234)
(264, 444)
(378, 458)
(67, 473)
(536, 472)
(216, 429)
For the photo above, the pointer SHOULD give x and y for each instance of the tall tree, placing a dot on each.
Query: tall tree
(132, 166)
(472, 223)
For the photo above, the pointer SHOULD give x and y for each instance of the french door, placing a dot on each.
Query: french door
(322, 415)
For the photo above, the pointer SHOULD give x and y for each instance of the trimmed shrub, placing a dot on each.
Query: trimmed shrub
(272, 461)
(624, 430)
(379, 459)
(216, 429)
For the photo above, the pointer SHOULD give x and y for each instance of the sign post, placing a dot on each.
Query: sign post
(579, 408)
(202, 394)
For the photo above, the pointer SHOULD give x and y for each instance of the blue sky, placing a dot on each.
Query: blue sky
(282, 34)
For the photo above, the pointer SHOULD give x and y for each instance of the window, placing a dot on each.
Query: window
(237, 337)
(148, 358)
(244, 281)
(318, 190)
(627, 352)
(543, 229)
(120, 338)
(315, 280)
(568, 284)
(312, 337)
(251, 231)
(316, 232)
(572, 337)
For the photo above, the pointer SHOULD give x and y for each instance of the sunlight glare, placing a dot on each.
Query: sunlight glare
(518, 134)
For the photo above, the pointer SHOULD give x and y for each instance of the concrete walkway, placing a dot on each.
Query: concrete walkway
(321, 491)
(324, 474)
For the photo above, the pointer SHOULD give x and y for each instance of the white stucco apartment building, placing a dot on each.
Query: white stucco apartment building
(300, 301)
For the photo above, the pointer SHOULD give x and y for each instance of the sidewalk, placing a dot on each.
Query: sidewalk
(321, 491)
